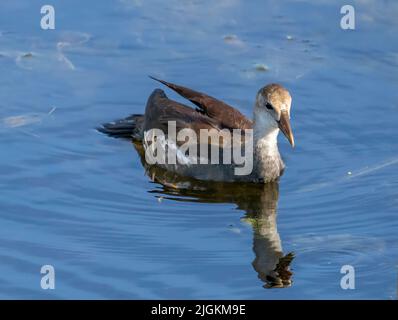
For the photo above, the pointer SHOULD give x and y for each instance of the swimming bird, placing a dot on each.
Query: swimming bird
(271, 114)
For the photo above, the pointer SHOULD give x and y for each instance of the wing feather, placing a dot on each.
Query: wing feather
(227, 116)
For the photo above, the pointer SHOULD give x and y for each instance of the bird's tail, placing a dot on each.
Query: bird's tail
(128, 128)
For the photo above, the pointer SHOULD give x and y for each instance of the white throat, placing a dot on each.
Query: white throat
(265, 130)
(268, 162)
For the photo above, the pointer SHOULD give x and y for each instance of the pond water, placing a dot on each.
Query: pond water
(75, 199)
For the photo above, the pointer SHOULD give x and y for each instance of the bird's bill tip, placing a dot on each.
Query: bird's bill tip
(291, 140)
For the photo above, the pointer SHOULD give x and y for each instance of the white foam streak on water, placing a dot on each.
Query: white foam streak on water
(350, 176)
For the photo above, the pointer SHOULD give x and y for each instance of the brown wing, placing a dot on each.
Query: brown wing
(224, 114)
(160, 110)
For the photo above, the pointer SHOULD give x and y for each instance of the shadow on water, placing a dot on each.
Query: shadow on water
(258, 201)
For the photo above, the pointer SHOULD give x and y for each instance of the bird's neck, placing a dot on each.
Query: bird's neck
(267, 160)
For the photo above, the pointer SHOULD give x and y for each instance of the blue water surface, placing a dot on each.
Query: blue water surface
(75, 199)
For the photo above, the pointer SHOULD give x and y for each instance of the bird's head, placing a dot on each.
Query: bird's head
(272, 110)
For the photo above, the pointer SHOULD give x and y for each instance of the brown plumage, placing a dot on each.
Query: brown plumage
(210, 113)
(226, 116)
(271, 113)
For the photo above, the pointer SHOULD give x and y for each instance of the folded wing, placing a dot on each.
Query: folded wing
(228, 117)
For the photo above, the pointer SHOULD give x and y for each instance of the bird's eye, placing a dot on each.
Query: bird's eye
(269, 106)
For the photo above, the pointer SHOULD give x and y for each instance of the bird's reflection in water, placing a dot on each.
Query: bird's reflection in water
(258, 201)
